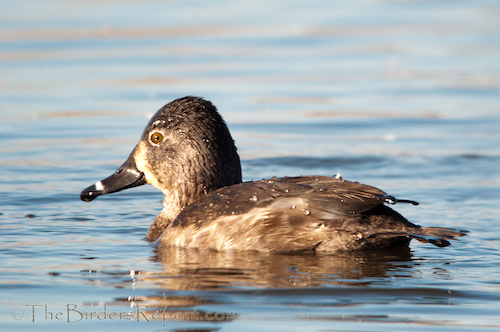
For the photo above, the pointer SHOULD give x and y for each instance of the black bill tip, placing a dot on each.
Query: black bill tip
(90, 193)
(127, 176)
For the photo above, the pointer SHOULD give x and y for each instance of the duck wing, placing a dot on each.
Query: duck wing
(371, 219)
(297, 214)
(338, 196)
(327, 194)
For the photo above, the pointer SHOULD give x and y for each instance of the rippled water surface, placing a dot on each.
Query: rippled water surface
(402, 95)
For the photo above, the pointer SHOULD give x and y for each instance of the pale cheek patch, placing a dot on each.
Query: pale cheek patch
(142, 164)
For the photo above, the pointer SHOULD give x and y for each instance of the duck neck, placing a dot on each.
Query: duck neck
(161, 222)
(186, 192)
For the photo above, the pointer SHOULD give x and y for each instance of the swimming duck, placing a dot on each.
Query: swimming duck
(187, 152)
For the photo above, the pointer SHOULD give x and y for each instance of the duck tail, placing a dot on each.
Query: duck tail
(437, 236)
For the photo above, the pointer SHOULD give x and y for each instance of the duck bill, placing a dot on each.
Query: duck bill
(127, 176)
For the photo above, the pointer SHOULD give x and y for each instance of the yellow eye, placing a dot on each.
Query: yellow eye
(156, 137)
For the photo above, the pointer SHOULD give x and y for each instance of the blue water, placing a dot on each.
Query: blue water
(402, 95)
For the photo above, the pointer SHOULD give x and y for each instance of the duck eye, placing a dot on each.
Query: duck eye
(156, 137)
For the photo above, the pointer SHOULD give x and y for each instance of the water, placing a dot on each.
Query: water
(402, 95)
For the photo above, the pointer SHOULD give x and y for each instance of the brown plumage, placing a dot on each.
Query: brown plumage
(188, 153)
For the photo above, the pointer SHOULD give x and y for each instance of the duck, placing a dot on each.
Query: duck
(187, 152)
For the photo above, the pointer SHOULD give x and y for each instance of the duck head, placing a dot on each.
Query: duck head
(186, 151)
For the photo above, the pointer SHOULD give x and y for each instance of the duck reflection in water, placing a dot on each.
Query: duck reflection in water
(187, 152)
(215, 279)
(193, 269)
